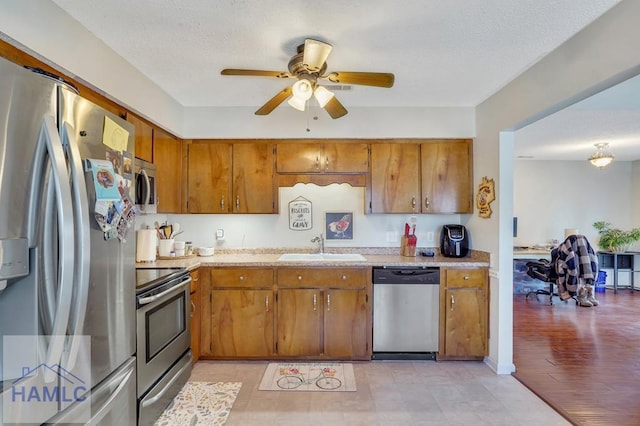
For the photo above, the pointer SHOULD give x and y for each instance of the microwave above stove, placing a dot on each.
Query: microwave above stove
(146, 187)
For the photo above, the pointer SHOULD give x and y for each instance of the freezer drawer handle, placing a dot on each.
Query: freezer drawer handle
(106, 408)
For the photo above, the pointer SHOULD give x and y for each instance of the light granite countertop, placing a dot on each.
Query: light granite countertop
(262, 257)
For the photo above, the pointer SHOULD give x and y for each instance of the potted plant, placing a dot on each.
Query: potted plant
(614, 239)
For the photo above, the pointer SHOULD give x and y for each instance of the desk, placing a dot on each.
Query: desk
(618, 261)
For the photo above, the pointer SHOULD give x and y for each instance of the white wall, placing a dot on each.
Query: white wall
(362, 122)
(255, 231)
(549, 196)
(635, 193)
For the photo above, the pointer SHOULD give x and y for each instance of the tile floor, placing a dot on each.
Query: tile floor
(389, 393)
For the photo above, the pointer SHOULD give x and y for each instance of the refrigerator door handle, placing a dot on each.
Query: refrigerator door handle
(82, 241)
(66, 253)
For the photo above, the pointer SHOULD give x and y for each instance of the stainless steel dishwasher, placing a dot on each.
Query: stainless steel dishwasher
(405, 312)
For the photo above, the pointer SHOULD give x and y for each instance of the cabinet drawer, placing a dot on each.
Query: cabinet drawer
(322, 277)
(195, 276)
(466, 277)
(242, 277)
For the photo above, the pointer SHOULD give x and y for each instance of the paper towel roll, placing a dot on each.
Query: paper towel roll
(146, 245)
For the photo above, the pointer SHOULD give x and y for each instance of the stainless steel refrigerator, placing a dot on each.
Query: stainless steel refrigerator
(67, 271)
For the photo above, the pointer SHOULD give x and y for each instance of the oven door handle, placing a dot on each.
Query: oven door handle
(151, 299)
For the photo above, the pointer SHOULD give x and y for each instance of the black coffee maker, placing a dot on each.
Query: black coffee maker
(454, 241)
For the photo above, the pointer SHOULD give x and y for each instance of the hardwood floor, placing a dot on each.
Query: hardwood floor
(584, 362)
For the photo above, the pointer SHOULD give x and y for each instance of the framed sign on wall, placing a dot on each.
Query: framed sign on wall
(300, 214)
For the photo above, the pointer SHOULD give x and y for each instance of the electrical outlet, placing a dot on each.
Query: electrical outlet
(430, 237)
(219, 234)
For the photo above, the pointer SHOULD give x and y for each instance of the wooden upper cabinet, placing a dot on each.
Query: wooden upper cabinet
(208, 177)
(395, 178)
(322, 158)
(447, 177)
(167, 155)
(231, 178)
(143, 138)
(254, 186)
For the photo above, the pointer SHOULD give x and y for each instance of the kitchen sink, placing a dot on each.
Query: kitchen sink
(315, 257)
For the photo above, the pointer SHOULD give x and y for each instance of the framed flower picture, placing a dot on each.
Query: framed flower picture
(338, 225)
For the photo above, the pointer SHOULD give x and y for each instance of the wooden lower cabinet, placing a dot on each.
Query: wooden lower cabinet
(195, 316)
(299, 322)
(345, 324)
(324, 313)
(242, 323)
(464, 314)
(238, 307)
(306, 313)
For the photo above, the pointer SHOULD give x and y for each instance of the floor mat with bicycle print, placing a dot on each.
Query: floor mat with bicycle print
(310, 377)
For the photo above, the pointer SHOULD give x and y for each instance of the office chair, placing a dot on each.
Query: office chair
(573, 264)
(543, 270)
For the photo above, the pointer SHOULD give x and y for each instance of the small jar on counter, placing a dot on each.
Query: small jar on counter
(188, 248)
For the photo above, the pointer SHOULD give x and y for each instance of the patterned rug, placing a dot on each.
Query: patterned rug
(316, 377)
(201, 403)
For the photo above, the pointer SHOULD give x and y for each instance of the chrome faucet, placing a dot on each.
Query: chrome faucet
(320, 240)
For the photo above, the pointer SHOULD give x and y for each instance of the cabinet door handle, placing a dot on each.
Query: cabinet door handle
(314, 302)
(222, 203)
(317, 163)
(241, 277)
(413, 203)
(266, 303)
(328, 302)
(237, 202)
(344, 277)
(193, 309)
(299, 277)
(453, 302)
(326, 164)
(426, 202)
(466, 277)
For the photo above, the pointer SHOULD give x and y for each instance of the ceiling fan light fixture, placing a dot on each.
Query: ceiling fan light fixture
(315, 54)
(297, 103)
(323, 95)
(602, 157)
(302, 89)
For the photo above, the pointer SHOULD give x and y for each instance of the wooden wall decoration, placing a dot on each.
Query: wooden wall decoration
(486, 195)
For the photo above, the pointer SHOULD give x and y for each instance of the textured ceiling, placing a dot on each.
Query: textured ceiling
(442, 52)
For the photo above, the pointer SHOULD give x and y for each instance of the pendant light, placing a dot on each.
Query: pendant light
(602, 157)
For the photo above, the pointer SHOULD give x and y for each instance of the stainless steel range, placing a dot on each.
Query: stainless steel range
(163, 338)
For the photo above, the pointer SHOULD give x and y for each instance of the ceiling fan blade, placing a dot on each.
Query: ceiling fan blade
(274, 102)
(335, 108)
(257, 73)
(378, 79)
(315, 54)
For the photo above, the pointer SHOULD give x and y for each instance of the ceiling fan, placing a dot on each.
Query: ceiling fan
(309, 66)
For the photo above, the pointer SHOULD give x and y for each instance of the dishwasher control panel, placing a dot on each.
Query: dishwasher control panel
(404, 275)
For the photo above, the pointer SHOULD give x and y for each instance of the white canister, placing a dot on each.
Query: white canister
(179, 247)
(165, 247)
